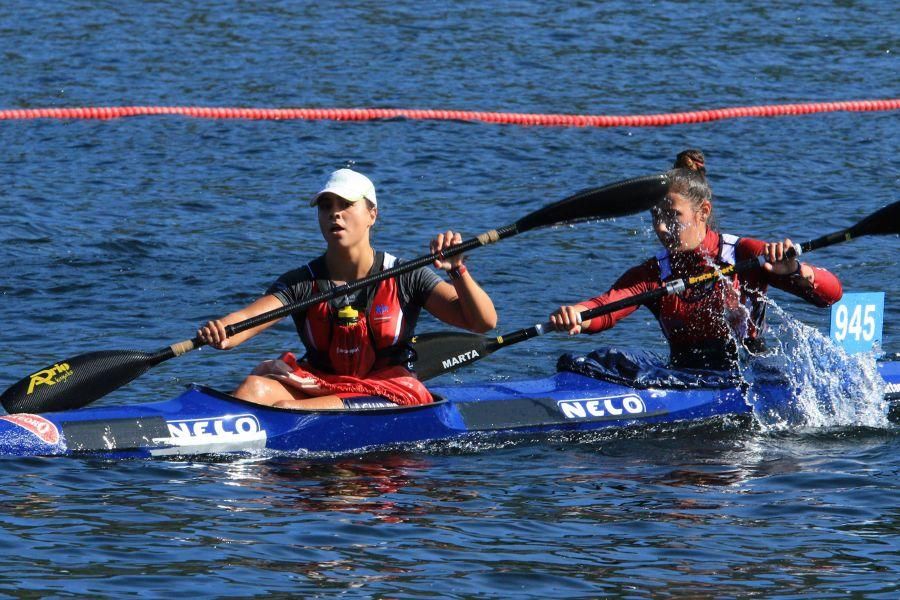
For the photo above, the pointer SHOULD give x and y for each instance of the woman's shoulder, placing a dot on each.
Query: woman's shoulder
(645, 272)
(748, 247)
(314, 269)
(417, 282)
(390, 261)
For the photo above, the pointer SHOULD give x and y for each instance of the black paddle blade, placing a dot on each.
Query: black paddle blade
(610, 201)
(439, 353)
(881, 222)
(75, 382)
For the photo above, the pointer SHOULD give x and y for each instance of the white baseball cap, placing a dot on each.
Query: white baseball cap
(349, 185)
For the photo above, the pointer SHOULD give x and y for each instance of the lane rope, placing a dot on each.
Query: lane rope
(527, 119)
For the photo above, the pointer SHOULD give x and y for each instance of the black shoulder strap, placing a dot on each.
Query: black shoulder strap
(377, 267)
(318, 269)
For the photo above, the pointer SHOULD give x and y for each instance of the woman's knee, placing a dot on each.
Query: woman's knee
(256, 388)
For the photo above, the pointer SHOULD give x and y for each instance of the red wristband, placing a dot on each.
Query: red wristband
(457, 272)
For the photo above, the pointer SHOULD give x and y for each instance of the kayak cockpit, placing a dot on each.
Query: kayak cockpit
(362, 404)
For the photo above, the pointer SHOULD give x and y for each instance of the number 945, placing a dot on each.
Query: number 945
(857, 321)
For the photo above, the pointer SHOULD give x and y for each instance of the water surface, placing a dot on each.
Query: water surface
(129, 233)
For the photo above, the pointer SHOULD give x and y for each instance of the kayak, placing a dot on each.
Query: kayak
(203, 421)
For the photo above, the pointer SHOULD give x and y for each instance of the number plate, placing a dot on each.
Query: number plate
(856, 321)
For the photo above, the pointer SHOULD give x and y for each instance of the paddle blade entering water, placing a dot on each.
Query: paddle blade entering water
(608, 202)
(75, 382)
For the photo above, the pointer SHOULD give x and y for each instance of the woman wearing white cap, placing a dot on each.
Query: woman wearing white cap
(356, 345)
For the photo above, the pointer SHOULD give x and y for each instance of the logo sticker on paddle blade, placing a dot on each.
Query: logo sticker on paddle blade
(460, 359)
(50, 376)
(45, 430)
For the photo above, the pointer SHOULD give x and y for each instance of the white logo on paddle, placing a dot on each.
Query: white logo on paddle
(460, 359)
(613, 406)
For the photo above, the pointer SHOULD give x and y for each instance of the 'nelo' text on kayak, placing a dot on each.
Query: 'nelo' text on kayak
(613, 406)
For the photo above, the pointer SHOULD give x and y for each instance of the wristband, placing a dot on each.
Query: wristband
(457, 272)
(798, 272)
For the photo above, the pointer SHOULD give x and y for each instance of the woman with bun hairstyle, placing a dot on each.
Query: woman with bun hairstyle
(356, 345)
(704, 326)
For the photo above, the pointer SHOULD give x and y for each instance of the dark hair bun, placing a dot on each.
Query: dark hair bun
(691, 159)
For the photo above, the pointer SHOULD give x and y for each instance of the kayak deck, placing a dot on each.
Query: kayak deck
(205, 421)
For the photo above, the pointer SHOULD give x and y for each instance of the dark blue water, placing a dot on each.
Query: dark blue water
(128, 233)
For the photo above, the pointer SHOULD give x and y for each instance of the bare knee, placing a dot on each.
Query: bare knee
(259, 389)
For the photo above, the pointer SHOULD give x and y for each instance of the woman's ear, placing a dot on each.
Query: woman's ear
(705, 210)
(373, 212)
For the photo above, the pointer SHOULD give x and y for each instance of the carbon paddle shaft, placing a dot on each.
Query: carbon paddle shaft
(822, 242)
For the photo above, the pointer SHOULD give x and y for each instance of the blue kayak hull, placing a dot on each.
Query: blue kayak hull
(205, 421)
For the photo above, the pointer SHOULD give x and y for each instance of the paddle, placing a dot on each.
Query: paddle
(441, 352)
(77, 381)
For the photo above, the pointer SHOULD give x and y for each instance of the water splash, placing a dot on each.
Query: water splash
(826, 387)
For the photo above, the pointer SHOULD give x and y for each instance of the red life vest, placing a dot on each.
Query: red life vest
(710, 319)
(356, 348)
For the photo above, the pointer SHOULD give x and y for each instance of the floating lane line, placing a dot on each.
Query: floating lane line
(524, 119)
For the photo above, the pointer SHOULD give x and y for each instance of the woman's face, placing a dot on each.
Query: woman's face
(678, 224)
(344, 224)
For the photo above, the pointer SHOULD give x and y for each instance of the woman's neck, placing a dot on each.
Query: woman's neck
(703, 247)
(349, 264)
(700, 254)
